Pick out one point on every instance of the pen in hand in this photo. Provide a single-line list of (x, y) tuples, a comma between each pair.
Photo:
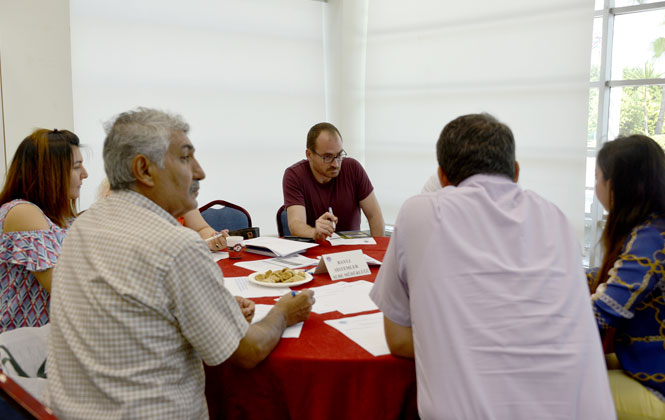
[(331, 212), (212, 238)]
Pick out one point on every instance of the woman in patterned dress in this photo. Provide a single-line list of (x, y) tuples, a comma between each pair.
[(628, 289), (38, 204)]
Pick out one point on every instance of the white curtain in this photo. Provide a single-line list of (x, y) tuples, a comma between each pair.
[(247, 76), (345, 51), (525, 62), (252, 76)]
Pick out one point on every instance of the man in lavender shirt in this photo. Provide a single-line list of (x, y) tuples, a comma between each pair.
[(483, 285)]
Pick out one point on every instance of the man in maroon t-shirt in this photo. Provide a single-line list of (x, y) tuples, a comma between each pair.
[(326, 191)]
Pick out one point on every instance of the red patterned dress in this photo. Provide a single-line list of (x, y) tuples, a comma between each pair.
[(23, 301)]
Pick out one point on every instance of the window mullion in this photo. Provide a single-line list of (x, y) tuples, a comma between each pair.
[(603, 118)]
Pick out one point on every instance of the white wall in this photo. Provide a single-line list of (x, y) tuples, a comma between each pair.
[(36, 69)]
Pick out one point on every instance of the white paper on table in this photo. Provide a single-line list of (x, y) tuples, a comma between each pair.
[(371, 261), (278, 263), (327, 297), (260, 312), (347, 298), (336, 240), (220, 256), (357, 298), (364, 330), (240, 286)]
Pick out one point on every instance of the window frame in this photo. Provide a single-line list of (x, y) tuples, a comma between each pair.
[(595, 219)]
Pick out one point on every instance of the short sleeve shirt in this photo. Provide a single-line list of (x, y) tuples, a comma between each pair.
[(23, 301), (137, 304), (343, 193), (490, 279)]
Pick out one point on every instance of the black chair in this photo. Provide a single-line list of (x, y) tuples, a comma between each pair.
[(283, 222), (226, 216)]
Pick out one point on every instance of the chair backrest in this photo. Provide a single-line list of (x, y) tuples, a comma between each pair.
[(230, 216), (283, 222), (17, 403)]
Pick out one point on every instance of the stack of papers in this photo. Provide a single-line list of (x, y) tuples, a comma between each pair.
[(276, 247), (344, 297), (336, 240), (364, 330)]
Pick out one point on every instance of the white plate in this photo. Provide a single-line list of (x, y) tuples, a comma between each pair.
[(308, 278)]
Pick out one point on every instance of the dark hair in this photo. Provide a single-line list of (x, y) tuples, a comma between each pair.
[(475, 144), (40, 173), (635, 169), (314, 132)]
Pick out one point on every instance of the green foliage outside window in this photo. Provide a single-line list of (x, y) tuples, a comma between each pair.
[(643, 107)]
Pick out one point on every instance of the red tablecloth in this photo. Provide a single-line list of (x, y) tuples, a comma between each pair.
[(321, 375)]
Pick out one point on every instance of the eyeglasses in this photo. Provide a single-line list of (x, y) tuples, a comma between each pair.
[(329, 158)]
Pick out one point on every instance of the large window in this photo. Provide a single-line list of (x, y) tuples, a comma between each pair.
[(627, 91)]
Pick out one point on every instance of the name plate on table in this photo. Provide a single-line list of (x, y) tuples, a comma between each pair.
[(343, 265)]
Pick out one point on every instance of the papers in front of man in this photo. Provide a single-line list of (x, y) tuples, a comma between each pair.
[(364, 330), (336, 240), (260, 312), (276, 247), (294, 261), (344, 297)]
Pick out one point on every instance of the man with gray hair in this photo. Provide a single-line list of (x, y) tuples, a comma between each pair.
[(483, 285), (136, 303)]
